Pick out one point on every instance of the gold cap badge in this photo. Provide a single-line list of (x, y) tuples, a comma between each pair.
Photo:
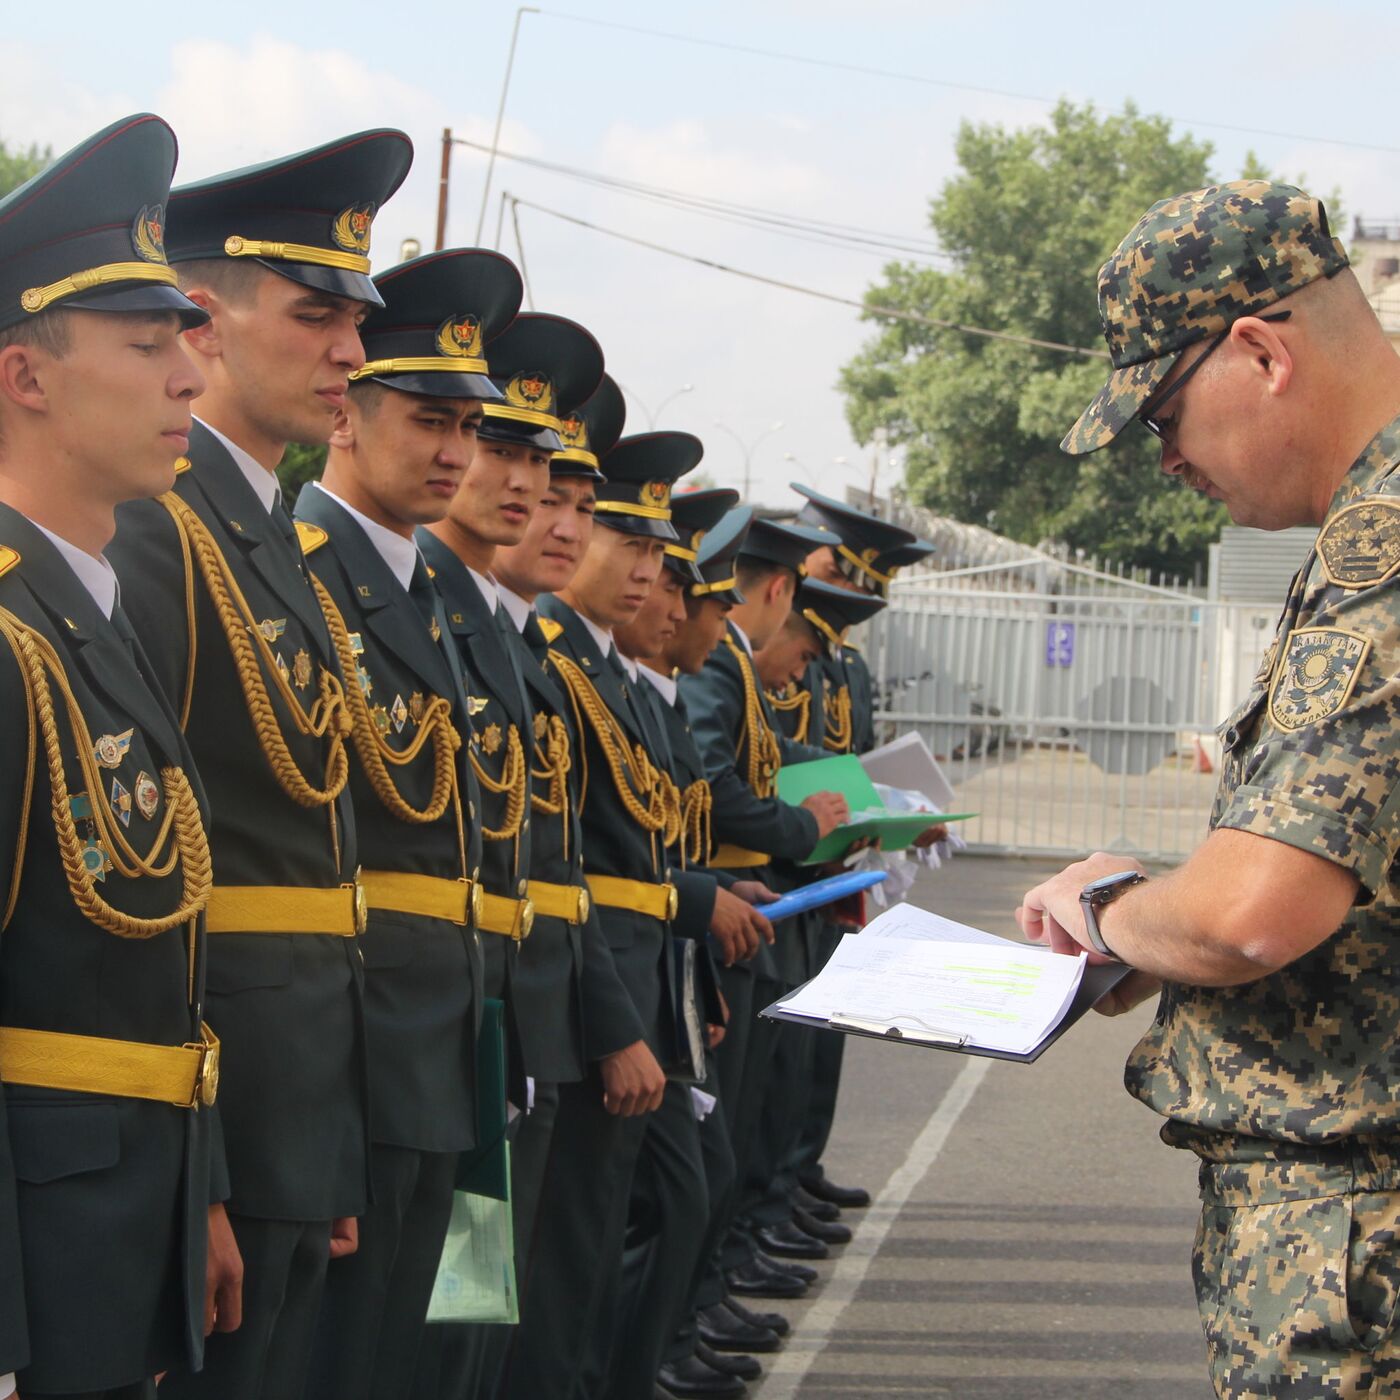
[(148, 233), (531, 389), (350, 229), (460, 337), (656, 493)]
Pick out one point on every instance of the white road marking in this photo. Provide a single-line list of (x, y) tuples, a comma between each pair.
[(809, 1339)]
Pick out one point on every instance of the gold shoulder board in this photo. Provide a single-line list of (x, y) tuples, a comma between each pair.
[(182, 465), (8, 559), (312, 537), (550, 628)]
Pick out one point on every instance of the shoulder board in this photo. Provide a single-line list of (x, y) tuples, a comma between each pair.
[(182, 465), (1360, 545), (312, 537), (8, 559), (550, 628)]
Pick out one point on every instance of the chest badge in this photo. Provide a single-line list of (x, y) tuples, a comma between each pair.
[(301, 670), (491, 738), (476, 704), (110, 749), (271, 628), (416, 707), (1317, 675), (398, 712), (541, 724), (121, 802), (147, 795)]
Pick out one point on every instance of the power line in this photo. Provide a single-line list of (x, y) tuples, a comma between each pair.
[(826, 232), (925, 80), (889, 312)]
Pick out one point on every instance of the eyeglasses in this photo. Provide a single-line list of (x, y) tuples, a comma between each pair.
[(1152, 421)]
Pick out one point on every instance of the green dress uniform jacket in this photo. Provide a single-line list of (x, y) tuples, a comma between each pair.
[(103, 1199), (862, 692), (499, 723), (614, 844), (287, 1006), (422, 974), (575, 1008)]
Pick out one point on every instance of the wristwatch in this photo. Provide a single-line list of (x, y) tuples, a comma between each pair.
[(1099, 894)]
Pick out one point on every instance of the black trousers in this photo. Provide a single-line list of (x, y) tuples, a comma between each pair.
[(707, 1284), (267, 1358), (573, 1272), (462, 1360), (667, 1225), (376, 1300)]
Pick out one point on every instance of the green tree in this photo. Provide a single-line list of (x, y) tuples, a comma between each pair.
[(19, 165), (302, 462), (1027, 223)]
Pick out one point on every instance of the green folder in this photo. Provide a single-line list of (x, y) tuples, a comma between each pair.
[(842, 773), (485, 1170)]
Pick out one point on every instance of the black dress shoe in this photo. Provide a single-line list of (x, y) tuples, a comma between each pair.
[(747, 1368), (752, 1281), (773, 1321), (823, 1188), (720, 1329), (825, 1231), (787, 1241), (693, 1377), (790, 1267), (817, 1209)]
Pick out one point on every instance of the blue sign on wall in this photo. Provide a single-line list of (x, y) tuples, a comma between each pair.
[(1059, 644)]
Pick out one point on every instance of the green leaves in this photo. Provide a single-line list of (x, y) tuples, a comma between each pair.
[(1029, 220)]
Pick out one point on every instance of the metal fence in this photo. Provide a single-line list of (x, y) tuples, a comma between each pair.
[(1072, 710)]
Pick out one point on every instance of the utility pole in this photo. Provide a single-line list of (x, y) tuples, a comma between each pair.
[(500, 115), (444, 175)]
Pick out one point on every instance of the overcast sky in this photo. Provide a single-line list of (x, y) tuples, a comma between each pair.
[(242, 85)]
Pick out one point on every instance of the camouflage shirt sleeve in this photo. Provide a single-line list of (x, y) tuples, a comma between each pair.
[(1322, 769)]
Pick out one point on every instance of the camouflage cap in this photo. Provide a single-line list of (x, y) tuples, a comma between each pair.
[(1191, 267)]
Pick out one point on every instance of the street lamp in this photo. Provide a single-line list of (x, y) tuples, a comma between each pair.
[(661, 408), (747, 448), (500, 114)]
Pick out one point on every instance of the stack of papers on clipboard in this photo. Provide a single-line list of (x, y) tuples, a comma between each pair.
[(913, 976)]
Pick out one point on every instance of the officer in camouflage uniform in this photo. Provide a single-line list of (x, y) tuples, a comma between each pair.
[(1274, 1055)]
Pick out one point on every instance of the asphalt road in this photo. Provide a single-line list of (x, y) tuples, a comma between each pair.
[(1030, 1237)]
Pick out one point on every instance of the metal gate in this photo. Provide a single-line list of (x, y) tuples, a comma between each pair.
[(1072, 713)]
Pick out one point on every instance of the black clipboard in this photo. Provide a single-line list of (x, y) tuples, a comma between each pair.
[(1099, 979)]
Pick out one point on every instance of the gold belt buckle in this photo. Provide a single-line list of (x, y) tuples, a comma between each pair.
[(673, 901), (584, 904), (476, 902), (361, 902), (524, 920), (206, 1078)]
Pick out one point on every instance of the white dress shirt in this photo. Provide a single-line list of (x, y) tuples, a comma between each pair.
[(602, 636), (517, 608), (487, 585), (265, 485), (666, 685), (744, 638), (400, 554), (95, 574)]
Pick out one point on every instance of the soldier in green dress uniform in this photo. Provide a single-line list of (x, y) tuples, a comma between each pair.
[(863, 555), (107, 1072), (214, 579), (543, 368), (563, 1343), (404, 445), (1242, 340), (734, 730)]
